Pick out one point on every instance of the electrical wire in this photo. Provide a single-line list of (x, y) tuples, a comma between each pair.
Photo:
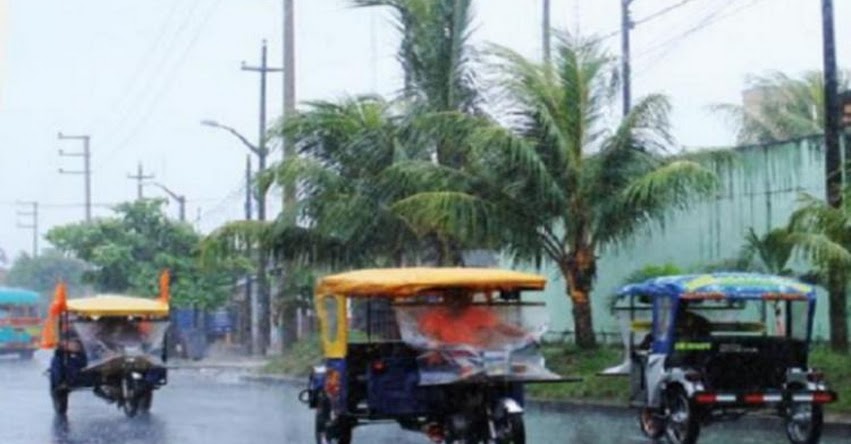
[(164, 87)]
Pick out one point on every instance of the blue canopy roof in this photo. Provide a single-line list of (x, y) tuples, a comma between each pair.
[(17, 296), (723, 285)]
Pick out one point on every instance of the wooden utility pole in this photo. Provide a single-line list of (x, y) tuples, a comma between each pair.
[(32, 214), (140, 179), (545, 32), (86, 172), (626, 27), (265, 322), (837, 282)]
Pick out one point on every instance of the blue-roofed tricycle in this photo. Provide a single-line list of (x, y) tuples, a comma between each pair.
[(709, 347)]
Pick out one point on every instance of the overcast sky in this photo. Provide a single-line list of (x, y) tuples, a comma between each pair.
[(139, 76)]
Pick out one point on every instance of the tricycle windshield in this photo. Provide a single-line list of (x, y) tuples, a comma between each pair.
[(108, 337), (479, 339)]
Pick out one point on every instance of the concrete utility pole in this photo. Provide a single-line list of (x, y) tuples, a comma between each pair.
[(247, 314), (140, 179), (626, 27), (32, 213), (547, 41), (179, 198), (86, 172), (289, 98), (265, 324)]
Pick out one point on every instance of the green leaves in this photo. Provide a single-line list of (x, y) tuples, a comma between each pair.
[(127, 253), (780, 107)]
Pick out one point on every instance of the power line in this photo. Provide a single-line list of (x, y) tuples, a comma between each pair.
[(661, 12), (165, 86), (668, 45)]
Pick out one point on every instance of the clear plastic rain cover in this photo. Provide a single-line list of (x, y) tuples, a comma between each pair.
[(106, 338), (480, 341)]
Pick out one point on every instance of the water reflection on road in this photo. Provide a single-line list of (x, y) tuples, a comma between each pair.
[(215, 408)]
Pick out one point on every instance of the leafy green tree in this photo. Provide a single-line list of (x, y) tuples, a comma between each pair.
[(556, 183), (127, 252), (43, 272), (784, 107)]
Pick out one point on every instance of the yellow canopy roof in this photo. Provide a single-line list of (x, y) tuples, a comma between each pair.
[(114, 305), (401, 282)]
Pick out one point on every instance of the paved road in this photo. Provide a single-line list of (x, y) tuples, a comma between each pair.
[(214, 407)]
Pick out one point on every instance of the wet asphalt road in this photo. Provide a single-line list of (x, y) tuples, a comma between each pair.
[(199, 407)]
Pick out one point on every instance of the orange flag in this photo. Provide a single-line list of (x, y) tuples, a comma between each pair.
[(49, 335), (165, 280)]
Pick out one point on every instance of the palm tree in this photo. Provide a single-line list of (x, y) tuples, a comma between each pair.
[(440, 87), (345, 148), (823, 234), (769, 253), (555, 183), (783, 108)]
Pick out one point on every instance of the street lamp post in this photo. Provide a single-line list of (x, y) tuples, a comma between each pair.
[(260, 341), (181, 199)]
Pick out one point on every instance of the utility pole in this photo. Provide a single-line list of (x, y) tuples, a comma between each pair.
[(86, 172), (546, 33), (289, 99), (833, 175), (249, 333), (265, 325), (626, 27), (140, 179), (33, 224)]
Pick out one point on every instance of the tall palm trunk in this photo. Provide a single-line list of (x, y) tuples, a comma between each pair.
[(837, 284), (578, 271)]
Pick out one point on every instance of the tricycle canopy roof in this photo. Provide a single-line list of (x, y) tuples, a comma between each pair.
[(403, 282), (114, 305), (722, 286), (17, 296)]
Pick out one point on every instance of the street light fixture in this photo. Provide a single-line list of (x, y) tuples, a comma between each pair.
[(254, 148), (181, 199)]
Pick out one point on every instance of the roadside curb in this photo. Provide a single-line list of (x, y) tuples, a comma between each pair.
[(832, 421)]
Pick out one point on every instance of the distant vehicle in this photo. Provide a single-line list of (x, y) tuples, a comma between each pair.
[(717, 346), (112, 344), (20, 322), (440, 351)]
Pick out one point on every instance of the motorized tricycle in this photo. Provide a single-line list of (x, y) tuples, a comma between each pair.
[(441, 351), (703, 348), (109, 343)]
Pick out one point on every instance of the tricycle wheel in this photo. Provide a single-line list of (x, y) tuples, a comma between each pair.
[(131, 406), (510, 429), (146, 400), (804, 423), (651, 423), (339, 433), (60, 401), (682, 425)]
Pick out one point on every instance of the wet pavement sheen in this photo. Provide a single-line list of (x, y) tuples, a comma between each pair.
[(214, 407)]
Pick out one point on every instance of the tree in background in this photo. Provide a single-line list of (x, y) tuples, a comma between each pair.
[(42, 273), (823, 234), (781, 107), (556, 182), (128, 251)]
